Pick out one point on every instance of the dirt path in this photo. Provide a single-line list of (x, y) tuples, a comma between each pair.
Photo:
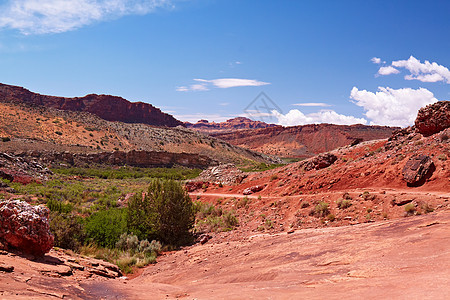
[(406, 258)]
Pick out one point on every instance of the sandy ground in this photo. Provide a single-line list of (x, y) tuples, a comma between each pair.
[(406, 258)]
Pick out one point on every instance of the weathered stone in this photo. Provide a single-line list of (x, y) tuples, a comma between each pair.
[(321, 161), (25, 227), (224, 174), (253, 189), (433, 118), (417, 169), (6, 268)]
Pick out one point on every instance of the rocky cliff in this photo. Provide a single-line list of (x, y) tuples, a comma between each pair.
[(107, 107), (304, 141), (227, 126)]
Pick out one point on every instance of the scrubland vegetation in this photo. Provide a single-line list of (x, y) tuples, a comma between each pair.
[(125, 215)]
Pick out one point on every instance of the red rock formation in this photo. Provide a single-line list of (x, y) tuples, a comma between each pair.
[(229, 125), (304, 141), (433, 118), (107, 107), (25, 227)]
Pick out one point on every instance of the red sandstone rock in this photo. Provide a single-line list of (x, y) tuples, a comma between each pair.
[(25, 227), (433, 118), (107, 107), (253, 189), (303, 141), (229, 125), (417, 169), (321, 161)]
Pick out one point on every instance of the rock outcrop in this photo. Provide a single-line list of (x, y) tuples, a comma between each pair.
[(226, 174), (253, 189), (25, 227), (321, 161), (238, 123), (304, 141), (107, 107), (417, 169), (135, 158), (433, 118)]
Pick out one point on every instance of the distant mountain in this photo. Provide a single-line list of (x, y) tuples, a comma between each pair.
[(110, 108), (303, 141), (238, 123)]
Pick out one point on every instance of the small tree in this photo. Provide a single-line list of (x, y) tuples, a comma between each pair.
[(165, 213)]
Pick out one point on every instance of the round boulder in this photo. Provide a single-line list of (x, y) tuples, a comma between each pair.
[(433, 118), (25, 227)]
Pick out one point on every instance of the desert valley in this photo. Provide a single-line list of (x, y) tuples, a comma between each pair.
[(224, 149), (314, 211)]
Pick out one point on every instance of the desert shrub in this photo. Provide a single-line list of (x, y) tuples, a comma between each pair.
[(304, 204), (367, 196), (6, 139), (410, 208), (68, 230), (131, 172), (346, 196), (343, 203), (243, 202), (209, 218), (165, 213), (58, 132), (59, 206), (427, 208), (331, 217), (105, 227), (273, 177), (321, 209)]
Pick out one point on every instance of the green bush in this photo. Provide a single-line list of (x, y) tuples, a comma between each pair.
[(213, 219), (321, 209), (59, 206), (343, 203), (165, 213), (410, 208), (105, 227), (68, 230)]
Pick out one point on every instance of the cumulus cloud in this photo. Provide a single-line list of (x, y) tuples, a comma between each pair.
[(222, 83), (425, 72), (392, 107), (376, 60), (296, 117), (55, 16), (313, 104), (387, 70)]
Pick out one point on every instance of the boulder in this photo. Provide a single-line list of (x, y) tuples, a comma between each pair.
[(25, 227), (417, 169), (433, 118), (321, 161), (253, 189), (226, 174)]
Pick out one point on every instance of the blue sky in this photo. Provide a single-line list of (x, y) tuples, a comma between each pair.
[(344, 62)]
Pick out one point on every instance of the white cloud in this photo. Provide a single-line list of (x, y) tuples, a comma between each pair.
[(376, 60), (55, 16), (296, 117), (387, 70), (317, 104), (425, 72), (392, 107), (222, 83)]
